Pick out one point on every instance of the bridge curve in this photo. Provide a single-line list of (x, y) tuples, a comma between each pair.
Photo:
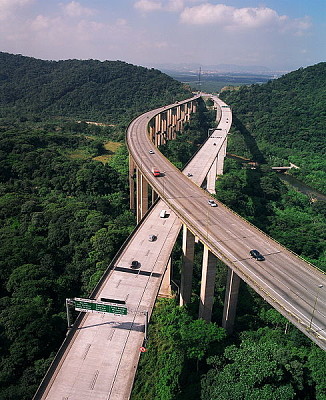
[(290, 284), (84, 367)]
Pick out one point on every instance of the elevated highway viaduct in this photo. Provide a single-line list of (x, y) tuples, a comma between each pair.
[(98, 359), (291, 285)]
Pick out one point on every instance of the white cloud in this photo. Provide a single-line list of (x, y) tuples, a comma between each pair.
[(300, 26), (69, 31), (75, 9), (8, 7), (255, 17), (206, 14), (148, 5), (40, 23), (164, 5), (175, 5), (240, 18)]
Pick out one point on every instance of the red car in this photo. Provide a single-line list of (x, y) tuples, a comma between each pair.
[(156, 172)]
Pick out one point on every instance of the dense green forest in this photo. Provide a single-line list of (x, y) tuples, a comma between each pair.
[(266, 357), (63, 216), (284, 121), (110, 92)]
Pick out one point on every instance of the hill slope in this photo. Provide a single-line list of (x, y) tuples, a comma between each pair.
[(109, 91), (284, 121)]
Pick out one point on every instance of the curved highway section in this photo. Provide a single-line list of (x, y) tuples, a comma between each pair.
[(291, 285), (99, 357)]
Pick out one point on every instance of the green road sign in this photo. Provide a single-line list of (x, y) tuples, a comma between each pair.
[(93, 306)]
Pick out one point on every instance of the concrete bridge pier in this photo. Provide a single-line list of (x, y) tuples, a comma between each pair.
[(165, 288), (220, 159), (188, 248), (230, 301), (154, 196), (207, 285), (132, 169), (142, 195), (211, 177)]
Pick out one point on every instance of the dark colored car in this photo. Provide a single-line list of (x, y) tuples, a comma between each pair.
[(134, 264), (152, 238), (255, 254)]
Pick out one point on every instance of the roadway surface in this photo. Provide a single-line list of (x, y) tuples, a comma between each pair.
[(287, 282), (101, 359)]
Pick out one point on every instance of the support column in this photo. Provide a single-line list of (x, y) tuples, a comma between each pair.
[(151, 127), (154, 196), (220, 158), (218, 114), (157, 130), (164, 127), (188, 248), (207, 285), (132, 167), (211, 177), (142, 196), (165, 288), (230, 301)]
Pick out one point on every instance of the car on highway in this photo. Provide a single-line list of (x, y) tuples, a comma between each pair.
[(255, 254), (156, 172), (212, 203), (151, 151), (163, 214), (152, 238), (135, 264)]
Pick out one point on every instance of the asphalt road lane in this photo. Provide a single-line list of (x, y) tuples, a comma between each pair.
[(286, 281)]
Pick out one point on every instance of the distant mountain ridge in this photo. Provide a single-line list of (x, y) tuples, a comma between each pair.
[(108, 91), (286, 118)]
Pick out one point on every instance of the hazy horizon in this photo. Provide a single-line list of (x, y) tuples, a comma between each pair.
[(280, 36)]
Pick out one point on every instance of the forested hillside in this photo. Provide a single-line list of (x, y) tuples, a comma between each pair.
[(108, 92), (63, 215), (284, 121), (266, 357)]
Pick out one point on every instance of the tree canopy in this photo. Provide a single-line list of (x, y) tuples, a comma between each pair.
[(284, 121)]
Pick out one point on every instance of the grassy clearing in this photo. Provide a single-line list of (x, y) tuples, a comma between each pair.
[(79, 154), (110, 149)]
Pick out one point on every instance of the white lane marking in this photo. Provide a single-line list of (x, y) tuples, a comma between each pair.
[(273, 290)]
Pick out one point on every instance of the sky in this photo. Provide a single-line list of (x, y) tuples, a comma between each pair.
[(282, 35)]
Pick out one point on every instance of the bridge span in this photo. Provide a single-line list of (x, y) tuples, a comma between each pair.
[(99, 358), (291, 285)]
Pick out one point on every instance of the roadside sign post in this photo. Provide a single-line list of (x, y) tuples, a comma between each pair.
[(102, 307), (146, 325), (87, 305), (68, 302)]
